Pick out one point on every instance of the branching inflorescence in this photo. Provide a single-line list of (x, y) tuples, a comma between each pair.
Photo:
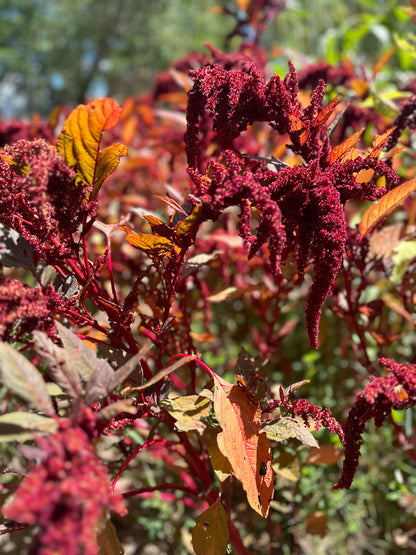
[(66, 494), (40, 199), (301, 208)]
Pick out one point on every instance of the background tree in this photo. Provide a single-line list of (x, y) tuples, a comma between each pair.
[(61, 52)]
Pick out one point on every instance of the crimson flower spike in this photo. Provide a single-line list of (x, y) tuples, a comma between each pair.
[(301, 208)]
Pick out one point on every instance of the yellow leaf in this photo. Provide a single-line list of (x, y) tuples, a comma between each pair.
[(80, 140), (244, 444), (210, 534), (188, 411), (287, 465), (385, 206), (190, 220), (219, 462), (222, 294), (154, 246)]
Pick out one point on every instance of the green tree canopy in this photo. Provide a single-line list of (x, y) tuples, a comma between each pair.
[(61, 52)]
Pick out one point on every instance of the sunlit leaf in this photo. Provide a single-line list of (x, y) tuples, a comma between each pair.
[(219, 462), (222, 295), (287, 465), (381, 140), (210, 534), (22, 379), (242, 442), (190, 221), (154, 246), (80, 141), (364, 176), (385, 206), (383, 241), (325, 113), (158, 226), (304, 435), (287, 427), (294, 387), (359, 86), (181, 79), (21, 426), (342, 150), (188, 411), (169, 201)]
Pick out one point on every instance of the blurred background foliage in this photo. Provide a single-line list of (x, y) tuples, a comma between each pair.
[(63, 52)]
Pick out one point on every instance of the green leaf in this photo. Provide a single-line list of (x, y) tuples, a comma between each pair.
[(210, 534), (21, 426), (22, 378)]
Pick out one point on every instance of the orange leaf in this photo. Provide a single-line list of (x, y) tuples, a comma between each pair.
[(325, 113), (158, 227), (317, 524), (341, 150), (326, 454), (364, 176), (382, 61), (381, 140), (385, 206), (244, 444), (154, 246), (172, 204), (181, 79), (359, 86), (80, 140), (210, 534)]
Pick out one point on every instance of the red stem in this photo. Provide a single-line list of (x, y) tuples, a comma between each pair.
[(162, 487), (132, 456)]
